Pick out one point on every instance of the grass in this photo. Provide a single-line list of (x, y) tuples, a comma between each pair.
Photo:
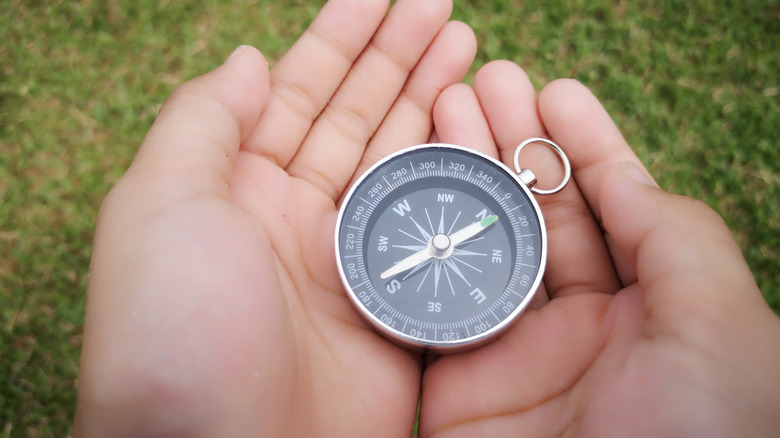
[(693, 85)]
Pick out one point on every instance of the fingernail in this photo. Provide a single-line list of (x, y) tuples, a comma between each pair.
[(239, 50), (633, 171)]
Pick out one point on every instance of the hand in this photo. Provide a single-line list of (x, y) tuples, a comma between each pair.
[(214, 304), (649, 323)]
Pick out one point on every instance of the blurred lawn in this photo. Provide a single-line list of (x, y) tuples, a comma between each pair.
[(693, 84)]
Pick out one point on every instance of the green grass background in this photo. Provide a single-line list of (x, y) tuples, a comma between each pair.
[(693, 85)]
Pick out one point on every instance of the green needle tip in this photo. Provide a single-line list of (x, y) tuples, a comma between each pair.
[(488, 220)]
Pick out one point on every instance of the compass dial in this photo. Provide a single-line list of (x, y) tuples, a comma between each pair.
[(440, 247)]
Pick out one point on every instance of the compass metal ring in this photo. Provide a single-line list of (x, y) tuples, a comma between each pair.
[(564, 159)]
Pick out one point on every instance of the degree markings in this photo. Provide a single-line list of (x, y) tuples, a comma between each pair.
[(361, 284)]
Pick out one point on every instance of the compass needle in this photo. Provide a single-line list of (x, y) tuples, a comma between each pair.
[(407, 263), (394, 245)]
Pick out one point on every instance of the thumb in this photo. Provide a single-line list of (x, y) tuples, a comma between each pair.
[(200, 127), (684, 255)]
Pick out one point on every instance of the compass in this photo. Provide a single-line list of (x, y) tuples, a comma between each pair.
[(440, 247)]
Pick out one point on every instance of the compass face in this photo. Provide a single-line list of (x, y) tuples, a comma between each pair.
[(440, 247)]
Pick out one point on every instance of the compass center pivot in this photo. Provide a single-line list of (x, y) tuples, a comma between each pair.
[(441, 246)]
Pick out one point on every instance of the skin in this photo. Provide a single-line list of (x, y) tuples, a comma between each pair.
[(215, 307)]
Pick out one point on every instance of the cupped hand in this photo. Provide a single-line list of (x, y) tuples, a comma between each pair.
[(214, 305), (649, 323)]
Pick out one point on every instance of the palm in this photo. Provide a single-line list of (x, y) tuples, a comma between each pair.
[(551, 376), (336, 357), (609, 373)]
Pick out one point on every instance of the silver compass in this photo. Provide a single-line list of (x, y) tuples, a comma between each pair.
[(441, 247)]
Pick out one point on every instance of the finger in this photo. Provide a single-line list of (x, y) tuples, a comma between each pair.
[(307, 76), (459, 120), (409, 121), (575, 118), (198, 131), (578, 260), (685, 257), (338, 138)]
